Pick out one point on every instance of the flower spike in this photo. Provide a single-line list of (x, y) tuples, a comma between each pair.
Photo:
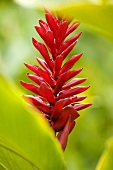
[(55, 94)]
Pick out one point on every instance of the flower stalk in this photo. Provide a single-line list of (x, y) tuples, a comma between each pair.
[(56, 88)]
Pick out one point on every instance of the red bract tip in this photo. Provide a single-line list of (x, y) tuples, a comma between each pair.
[(56, 90), (43, 51), (40, 31), (63, 135), (57, 65), (82, 106), (71, 92), (43, 64), (44, 25), (52, 23), (35, 78), (70, 63), (68, 50), (63, 118), (73, 39), (31, 67), (46, 92), (74, 82), (46, 76), (60, 82), (38, 103), (72, 28), (57, 109), (30, 87), (61, 32)]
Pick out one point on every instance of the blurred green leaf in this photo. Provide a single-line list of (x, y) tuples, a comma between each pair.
[(106, 160), (50, 3), (2, 167), (26, 140), (99, 16)]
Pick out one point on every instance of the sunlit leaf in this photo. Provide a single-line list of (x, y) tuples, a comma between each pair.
[(95, 13), (48, 3), (99, 16), (106, 160), (2, 167), (26, 141)]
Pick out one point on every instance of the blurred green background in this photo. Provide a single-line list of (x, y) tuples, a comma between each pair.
[(95, 125)]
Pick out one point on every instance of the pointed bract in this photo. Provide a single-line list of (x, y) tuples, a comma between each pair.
[(70, 63), (36, 101), (46, 92), (57, 65), (63, 135), (74, 82), (63, 118)]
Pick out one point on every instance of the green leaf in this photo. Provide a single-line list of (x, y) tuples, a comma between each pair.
[(26, 140), (49, 3), (99, 16), (106, 160), (2, 167)]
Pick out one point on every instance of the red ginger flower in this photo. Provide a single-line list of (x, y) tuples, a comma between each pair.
[(56, 98)]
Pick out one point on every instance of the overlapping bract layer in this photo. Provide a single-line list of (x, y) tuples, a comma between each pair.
[(56, 92)]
